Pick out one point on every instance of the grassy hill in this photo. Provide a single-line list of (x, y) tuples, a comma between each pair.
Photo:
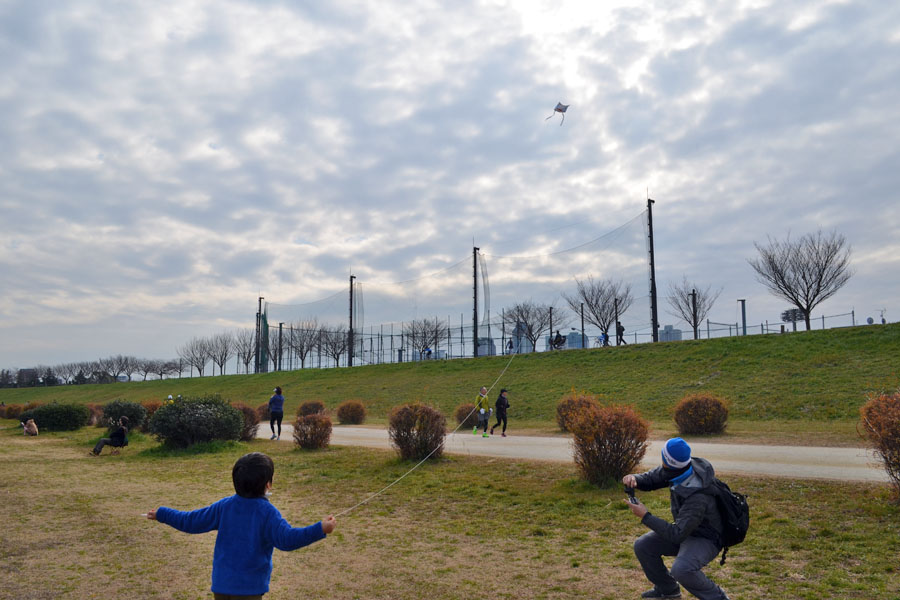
[(810, 376)]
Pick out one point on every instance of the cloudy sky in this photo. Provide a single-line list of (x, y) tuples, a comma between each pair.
[(164, 164)]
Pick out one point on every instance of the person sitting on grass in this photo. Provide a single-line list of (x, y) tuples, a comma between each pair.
[(118, 438), (248, 526), (30, 427)]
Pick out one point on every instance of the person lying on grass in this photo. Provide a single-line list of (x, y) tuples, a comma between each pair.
[(249, 528)]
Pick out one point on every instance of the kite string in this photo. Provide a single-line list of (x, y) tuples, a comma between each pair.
[(399, 479)]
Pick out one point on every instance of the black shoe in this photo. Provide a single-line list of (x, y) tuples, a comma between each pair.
[(654, 593)]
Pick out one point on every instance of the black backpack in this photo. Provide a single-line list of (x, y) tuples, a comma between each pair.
[(735, 513)]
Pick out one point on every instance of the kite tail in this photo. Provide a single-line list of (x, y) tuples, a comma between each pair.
[(563, 119), (551, 116)]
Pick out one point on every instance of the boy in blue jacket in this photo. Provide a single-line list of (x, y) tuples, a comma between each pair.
[(249, 528)]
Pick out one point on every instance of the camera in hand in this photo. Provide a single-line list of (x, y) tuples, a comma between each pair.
[(631, 497)]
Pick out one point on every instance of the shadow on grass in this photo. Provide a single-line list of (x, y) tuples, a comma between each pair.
[(163, 451)]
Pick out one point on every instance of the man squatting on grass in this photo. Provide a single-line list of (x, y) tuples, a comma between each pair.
[(249, 528), (694, 539)]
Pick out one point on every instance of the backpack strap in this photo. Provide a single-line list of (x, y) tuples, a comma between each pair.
[(724, 554)]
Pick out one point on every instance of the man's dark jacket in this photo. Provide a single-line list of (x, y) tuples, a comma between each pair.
[(693, 505)]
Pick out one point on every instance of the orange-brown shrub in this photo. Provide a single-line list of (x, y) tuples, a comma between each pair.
[(263, 411), (151, 406), (417, 431), (313, 407), (32, 405), (880, 425), (312, 431), (96, 414), (14, 410), (351, 412), (702, 414), (251, 421), (609, 442), (572, 404), (466, 415)]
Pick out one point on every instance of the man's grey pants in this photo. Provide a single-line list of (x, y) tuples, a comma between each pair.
[(691, 556)]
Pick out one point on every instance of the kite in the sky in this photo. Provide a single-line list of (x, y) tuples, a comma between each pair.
[(561, 109)]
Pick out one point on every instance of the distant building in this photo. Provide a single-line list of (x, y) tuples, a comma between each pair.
[(521, 343), (486, 347), (670, 334), (575, 340)]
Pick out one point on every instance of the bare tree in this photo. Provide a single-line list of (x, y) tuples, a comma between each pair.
[(603, 299), (221, 348), (334, 343), (66, 372), (146, 366), (805, 272), (425, 333), (196, 354), (530, 320), (304, 337), (245, 347), (681, 299)]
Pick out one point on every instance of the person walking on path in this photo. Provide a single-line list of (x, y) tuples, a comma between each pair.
[(276, 412), (694, 539), (482, 407), (502, 404), (620, 334)]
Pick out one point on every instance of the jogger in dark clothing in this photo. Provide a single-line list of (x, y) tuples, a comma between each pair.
[(501, 405), (276, 412)]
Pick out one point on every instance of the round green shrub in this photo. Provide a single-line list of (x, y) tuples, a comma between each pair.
[(117, 409), (187, 421), (312, 431), (351, 412), (58, 417)]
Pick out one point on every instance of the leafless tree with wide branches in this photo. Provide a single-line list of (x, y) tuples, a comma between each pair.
[(600, 301), (334, 342), (530, 320), (681, 299), (221, 348), (805, 272), (425, 333), (195, 353), (304, 337)]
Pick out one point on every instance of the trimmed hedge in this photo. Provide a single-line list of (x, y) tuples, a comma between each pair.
[(466, 415), (609, 442), (188, 421), (250, 423), (58, 417), (701, 414), (351, 412), (880, 425), (312, 431), (313, 407), (417, 431)]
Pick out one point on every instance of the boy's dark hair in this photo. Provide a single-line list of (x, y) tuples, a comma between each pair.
[(251, 473), (123, 420)]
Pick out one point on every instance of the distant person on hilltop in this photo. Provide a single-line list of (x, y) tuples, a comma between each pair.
[(620, 334), (276, 412)]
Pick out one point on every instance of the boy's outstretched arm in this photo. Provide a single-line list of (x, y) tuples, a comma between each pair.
[(286, 538), (195, 521)]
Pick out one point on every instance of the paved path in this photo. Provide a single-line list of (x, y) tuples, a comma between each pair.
[(803, 462)]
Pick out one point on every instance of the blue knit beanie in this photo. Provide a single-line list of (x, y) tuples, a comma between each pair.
[(676, 453)]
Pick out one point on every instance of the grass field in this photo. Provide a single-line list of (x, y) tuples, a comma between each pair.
[(778, 386), (459, 527)]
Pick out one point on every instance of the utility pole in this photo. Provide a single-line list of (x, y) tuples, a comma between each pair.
[(258, 335), (654, 321), (694, 312), (280, 346), (550, 337), (475, 300), (743, 302), (616, 309), (583, 345), (350, 333)]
